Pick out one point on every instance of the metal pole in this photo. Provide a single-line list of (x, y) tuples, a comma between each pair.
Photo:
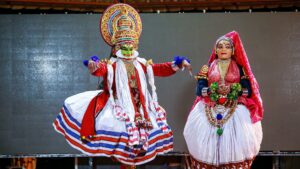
[(91, 163), (276, 162), (76, 163)]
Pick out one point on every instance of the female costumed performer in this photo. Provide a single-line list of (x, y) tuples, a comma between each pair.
[(223, 129), (124, 120)]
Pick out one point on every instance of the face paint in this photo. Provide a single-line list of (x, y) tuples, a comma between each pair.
[(127, 50)]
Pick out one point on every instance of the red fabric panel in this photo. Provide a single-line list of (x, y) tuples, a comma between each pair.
[(102, 70), (88, 121), (142, 97)]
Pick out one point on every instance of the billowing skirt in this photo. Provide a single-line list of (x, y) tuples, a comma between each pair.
[(111, 138), (236, 147)]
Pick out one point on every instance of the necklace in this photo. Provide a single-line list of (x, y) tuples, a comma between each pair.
[(130, 73), (223, 68), (219, 120)]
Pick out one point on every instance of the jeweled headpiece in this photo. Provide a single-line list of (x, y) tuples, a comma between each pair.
[(121, 24), (226, 39)]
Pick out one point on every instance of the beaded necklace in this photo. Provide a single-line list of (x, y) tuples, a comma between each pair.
[(219, 120), (223, 66)]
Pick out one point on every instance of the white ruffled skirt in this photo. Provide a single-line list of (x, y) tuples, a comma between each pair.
[(112, 137), (239, 142)]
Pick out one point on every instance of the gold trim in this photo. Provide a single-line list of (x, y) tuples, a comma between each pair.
[(109, 62), (245, 77), (201, 77), (149, 62), (108, 23), (244, 71), (204, 69)]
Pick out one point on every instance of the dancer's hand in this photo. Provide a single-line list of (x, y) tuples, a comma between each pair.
[(188, 66), (182, 62), (92, 66)]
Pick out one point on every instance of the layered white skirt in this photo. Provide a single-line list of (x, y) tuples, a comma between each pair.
[(239, 142), (112, 137)]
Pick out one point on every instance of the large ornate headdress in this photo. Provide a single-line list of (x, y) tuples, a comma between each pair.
[(121, 24), (241, 58)]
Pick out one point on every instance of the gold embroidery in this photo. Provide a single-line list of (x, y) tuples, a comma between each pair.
[(245, 164), (201, 77), (149, 62), (204, 69), (202, 73), (111, 16), (244, 71), (223, 68), (131, 73), (245, 77)]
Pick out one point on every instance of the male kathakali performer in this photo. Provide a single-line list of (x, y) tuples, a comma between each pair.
[(123, 120)]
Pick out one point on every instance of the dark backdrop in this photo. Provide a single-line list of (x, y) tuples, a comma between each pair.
[(41, 64)]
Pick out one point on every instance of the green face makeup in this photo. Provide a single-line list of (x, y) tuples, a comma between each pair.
[(127, 50)]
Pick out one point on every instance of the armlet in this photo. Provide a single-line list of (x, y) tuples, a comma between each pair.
[(202, 74)]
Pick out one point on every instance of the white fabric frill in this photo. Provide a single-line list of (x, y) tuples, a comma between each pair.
[(240, 140)]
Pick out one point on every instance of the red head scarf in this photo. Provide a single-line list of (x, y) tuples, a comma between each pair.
[(240, 56)]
